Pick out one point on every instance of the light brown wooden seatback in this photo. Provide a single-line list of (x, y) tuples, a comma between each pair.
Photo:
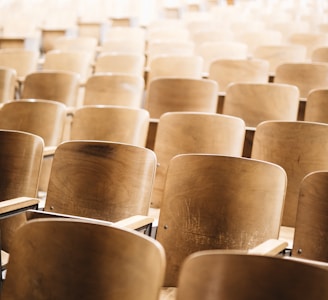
[(218, 202), (44, 118), (62, 258), (111, 123), (61, 86), (311, 227), (257, 102), (320, 54), (211, 51), (190, 132), (76, 43), (316, 109), (279, 54), (22, 60), (114, 89), (188, 66), (306, 76), (215, 274), (311, 40), (227, 71), (21, 155), (8, 78), (122, 63), (101, 180), (72, 61), (298, 147), (181, 94)]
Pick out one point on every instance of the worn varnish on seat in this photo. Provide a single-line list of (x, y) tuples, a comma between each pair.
[(218, 202)]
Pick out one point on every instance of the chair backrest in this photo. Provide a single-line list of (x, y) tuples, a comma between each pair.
[(306, 76), (119, 32), (60, 258), (122, 63), (216, 274), (44, 118), (168, 47), (257, 102), (299, 147), (190, 132), (218, 202), (316, 109), (320, 54), (61, 86), (183, 66), (101, 180), (279, 54), (8, 78), (21, 156), (181, 94), (211, 51), (227, 71), (114, 89), (49, 37), (256, 38), (124, 45), (311, 40), (22, 60), (80, 43), (72, 61), (111, 123), (311, 230)]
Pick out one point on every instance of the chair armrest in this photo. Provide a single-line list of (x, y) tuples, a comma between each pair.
[(270, 247), (16, 204), (49, 151), (134, 222)]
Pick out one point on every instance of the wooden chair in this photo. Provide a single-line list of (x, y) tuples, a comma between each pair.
[(21, 156), (22, 60), (44, 118), (306, 76), (119, 32), (168, 47), (288, 27), (111, 123), (299, 147), (316, 106), (121, 63), (215, 274), (56, 258), (310, 238), (181, 94), (209, 133), (279, 54), (71, 61), (114, 89), (8, 77), (61, 86), (320, 54), (257, 102), (226, 71), (218, 202), (49, 37), (183, 66), (256, 38), (80, 43), (211, 51), (124, 46), (311, 40), (119, 189)]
